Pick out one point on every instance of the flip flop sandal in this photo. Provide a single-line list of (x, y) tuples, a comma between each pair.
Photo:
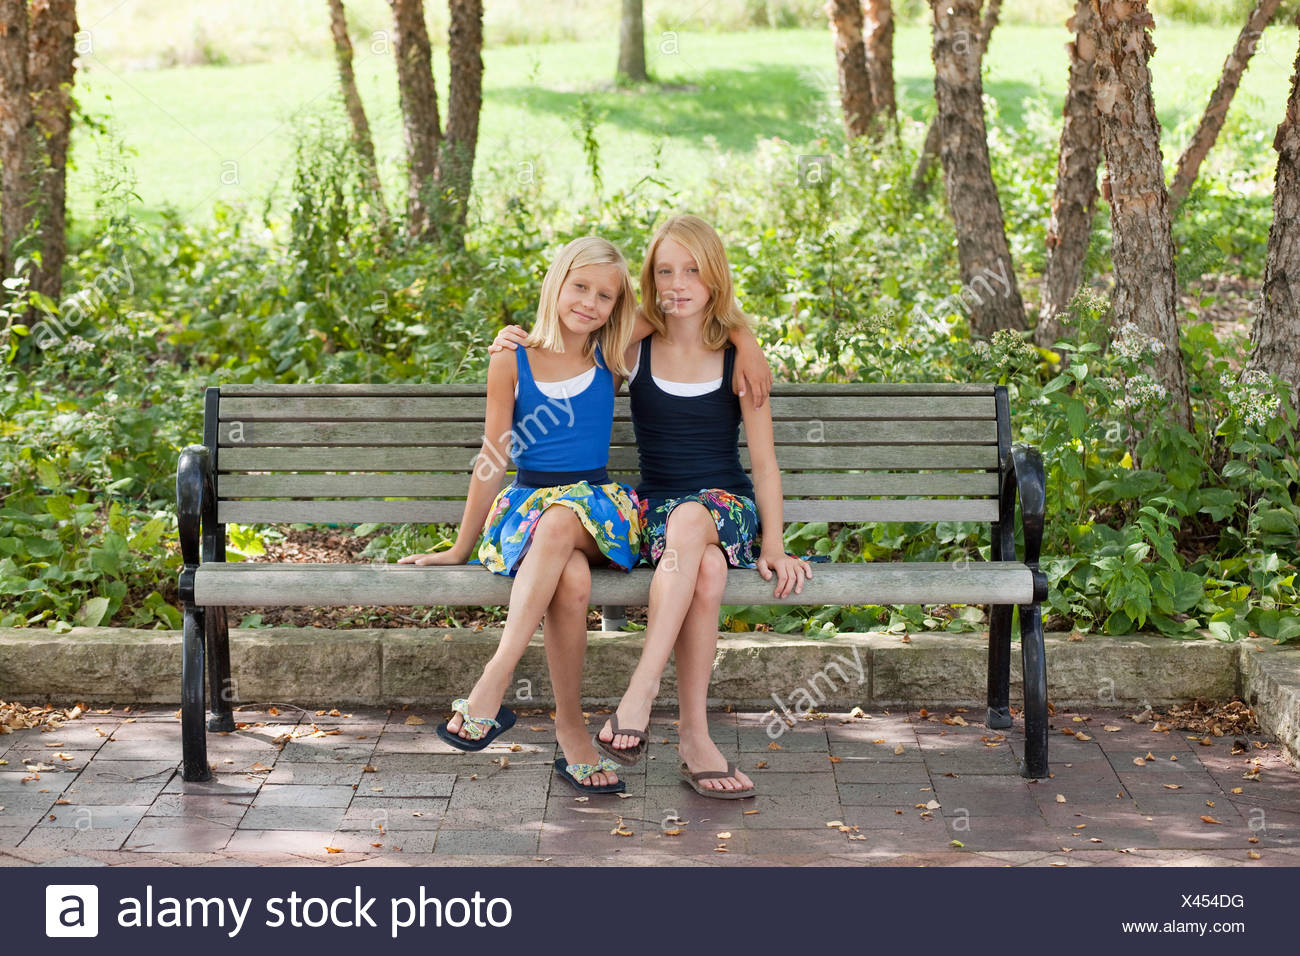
[(574, 773), (694, 780), (630, 755), (482, 730)]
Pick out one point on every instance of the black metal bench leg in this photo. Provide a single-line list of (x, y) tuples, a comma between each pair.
[(998, 716), (194, 740), (1034, 658), (220, 687)]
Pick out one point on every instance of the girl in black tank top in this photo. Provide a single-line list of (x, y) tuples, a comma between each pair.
[(703, 510)]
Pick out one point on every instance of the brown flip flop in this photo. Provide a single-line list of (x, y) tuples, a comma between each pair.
[(630, 755), (694, 780)]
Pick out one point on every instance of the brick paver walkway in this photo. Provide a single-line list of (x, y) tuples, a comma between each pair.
[(380, 788)]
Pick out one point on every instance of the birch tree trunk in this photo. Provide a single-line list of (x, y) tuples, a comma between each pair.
[(1275, 335), (1070, 227), (851, 64), (16, 132), (361, 137), (963, 149), (465, 101), (967, 40), (421, 124), (878, 34), (1143, 252), (1216, 111), (631, 42)]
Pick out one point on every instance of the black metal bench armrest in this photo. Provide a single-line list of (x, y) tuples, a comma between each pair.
[(1023, 476), (196, 512)]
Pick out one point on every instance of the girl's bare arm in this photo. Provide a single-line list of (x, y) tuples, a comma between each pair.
[(790, 572), (489, 466)]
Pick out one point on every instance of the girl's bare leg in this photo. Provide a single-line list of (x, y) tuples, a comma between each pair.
[(694, 654), (566, 648), (558, 534), (690, 531)]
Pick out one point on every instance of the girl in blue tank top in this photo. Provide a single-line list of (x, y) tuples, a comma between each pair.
[(550, 408)]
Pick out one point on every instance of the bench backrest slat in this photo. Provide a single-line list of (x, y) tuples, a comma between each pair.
[(852, 452)]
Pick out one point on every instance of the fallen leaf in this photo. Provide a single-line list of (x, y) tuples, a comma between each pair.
[(1253, 840), (1079, 720), (724, 835), (369, 768), (1211, 820), (1081, 736), (774, 746), (932, 805), (504, 761), (899, 749), (678, 832), (956, 843), (619, 829), (273, 711), (761, 765), (333, 849), (1111, 728), (720, 849), (1252, 854), (1206, 742), (414, 720), (1160, 727), (840, 823), (1209, 803), (750, 813), (1173, 786), (1149, 756), (1236, 789), (923, 712), (536, 730), (1069, 731), (1060, 798), (1094, 840), (1139, 761), (835, 759)]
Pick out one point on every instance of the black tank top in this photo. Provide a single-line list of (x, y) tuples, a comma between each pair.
[(686, 444)]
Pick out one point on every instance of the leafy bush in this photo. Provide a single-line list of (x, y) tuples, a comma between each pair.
[(841, 262)]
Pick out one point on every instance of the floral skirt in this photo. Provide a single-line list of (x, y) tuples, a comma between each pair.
[(608, 512), (736, 518)]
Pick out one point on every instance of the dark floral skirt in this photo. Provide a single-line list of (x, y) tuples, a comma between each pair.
[(735, 516)]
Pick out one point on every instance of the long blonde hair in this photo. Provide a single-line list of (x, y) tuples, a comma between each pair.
[(615, 335), (722, 312)]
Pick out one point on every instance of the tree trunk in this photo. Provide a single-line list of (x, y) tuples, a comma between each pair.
[(1145, 284), (963, 150), (631, 42), (361, 137), (878, 30), (16, 132), (50, 68), (421, 123), (964, 42), (465, 100), (1070, 227), (1275, 335), (851, 62), (1216, 111)]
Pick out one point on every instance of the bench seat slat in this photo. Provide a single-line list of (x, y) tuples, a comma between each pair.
[(810, 388), (258, 584), (433, 485), (470, 434), (471, 409), (621, 458), (251, 511)]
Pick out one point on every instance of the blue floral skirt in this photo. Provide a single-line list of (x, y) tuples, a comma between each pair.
[(736, 518), (608, 512)]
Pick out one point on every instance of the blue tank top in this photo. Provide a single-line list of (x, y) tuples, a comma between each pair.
[(687, 443), (560, 441)]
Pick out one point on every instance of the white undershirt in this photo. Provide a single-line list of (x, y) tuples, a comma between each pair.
[(565, 388), (680, 389)]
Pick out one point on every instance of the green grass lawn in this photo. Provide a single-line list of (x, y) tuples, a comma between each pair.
[(197, 135)]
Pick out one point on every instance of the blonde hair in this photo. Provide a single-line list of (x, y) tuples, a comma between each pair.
[(722, 313), (615, 335)]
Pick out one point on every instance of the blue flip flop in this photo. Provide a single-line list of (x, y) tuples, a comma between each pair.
[(575, 773), (485, 729)]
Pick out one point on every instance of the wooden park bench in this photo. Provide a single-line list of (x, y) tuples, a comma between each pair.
[(280, 454)]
